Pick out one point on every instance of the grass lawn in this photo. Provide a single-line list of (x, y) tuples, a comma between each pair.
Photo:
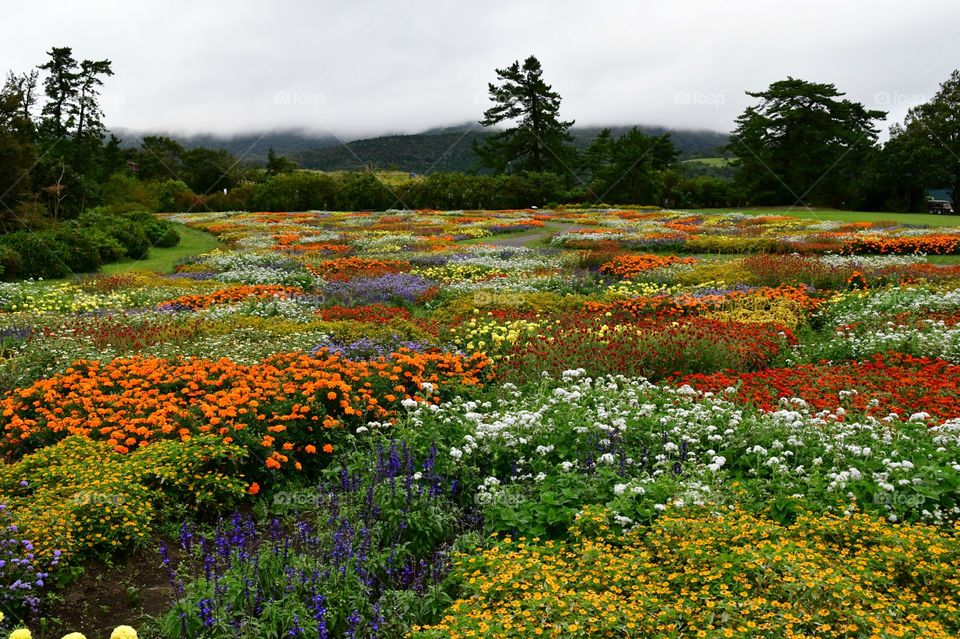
[(192, 242), (846, 216), (390, 178)]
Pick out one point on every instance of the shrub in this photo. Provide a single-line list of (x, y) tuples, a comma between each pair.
[(364, 192), (81, 497), (124, 189), (174, 195), (298, 191), (41, 254), (11, 266), (80, 248)]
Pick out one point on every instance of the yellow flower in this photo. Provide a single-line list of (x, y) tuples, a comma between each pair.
[(73, 635), (123, 632), (20, 633)]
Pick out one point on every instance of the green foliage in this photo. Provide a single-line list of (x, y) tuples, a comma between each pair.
[(83, 498), (364, 192), (298, 191), (10, 262), (17, 153), (206, 170), (123, 189), (375, 572), (539, 141), (461, 191), (630, 168), (159, 158), (41, 256), (935, 123), (803, 144), (174, 195), (278, 164)]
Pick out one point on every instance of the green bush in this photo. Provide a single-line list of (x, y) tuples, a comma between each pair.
[(364, 192), (10, 262), (174, 195), (124, 189), (299, 191), (79, 248), (239, 198), (41, 254)]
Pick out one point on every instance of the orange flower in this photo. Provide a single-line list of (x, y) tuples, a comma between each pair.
[(132, 402), (627, 266), (328, 448), (310, 448), (254, 488)]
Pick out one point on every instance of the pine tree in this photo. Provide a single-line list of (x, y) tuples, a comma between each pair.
[(540, 140), (803, 143), (60, 87)]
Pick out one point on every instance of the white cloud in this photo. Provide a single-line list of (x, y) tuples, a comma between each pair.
[(405, 65)]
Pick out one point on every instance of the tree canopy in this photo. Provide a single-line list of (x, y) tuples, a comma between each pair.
[(803, 143), (937, 124), (539, 140)]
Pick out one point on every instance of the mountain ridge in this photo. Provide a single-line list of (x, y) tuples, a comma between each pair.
[(437, 149)]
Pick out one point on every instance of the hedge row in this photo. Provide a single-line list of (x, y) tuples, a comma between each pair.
[(83, 245)]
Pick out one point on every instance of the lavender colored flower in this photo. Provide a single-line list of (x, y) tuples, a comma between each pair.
[(367, 348), (391, 287), (206, 612)]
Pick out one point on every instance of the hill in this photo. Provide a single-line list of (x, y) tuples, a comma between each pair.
[(250, 147), (451, 149), (440, 149)]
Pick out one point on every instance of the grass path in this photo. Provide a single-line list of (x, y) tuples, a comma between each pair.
[(192, 242), (533, 238), (845, 216)]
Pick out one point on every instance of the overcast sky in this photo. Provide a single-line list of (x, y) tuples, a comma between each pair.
[(365, 67)]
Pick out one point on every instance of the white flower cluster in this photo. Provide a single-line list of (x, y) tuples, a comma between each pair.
[(663, 446)]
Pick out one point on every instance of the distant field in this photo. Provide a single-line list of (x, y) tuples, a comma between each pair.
[(718, 162), (849, 216), (192, 242), (390, 178)]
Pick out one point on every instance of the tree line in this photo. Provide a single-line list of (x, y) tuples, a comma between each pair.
[(801, 143)]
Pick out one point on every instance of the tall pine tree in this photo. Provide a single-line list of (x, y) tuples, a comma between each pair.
[(539, 140)]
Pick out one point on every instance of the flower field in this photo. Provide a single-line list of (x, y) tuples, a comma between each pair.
[(400, 424)]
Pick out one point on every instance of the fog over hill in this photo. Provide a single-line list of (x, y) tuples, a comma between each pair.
[(436, 149)]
